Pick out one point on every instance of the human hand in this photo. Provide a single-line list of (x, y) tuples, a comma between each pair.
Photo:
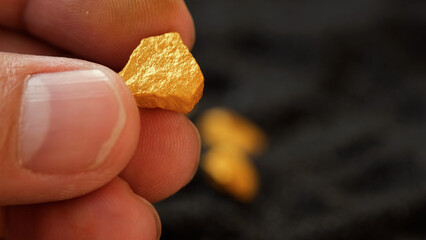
[(78, 160)]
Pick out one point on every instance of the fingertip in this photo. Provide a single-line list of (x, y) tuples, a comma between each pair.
[(107, 31), (112, 212), (155, 214), (167, 155), (187, 27), (46, 157), (127, 141)]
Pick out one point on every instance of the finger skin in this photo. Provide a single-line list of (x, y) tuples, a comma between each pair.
[(11, 13), (163, 165), (112, 212), (106, 31), (165, 158), (19, 185), (102, 30), (14, 42)]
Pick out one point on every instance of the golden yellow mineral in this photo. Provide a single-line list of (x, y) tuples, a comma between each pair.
[(231, 139), (231, 170), (161, 73), (223, 126)]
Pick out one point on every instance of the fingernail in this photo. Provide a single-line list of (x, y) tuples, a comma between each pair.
[(69, 121)]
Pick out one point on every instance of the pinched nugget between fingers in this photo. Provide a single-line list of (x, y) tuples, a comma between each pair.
[(161, 73)]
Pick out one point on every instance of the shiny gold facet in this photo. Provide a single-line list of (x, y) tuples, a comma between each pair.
[(230, 170), (161, 73), (222, 126)]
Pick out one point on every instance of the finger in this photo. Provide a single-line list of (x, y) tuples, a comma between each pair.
[(15, 42), (112, 212), (67, 127), (11, 13), (167, 155), (105, 31)]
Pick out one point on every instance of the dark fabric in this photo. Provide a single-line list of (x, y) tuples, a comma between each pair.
[(340, 88)]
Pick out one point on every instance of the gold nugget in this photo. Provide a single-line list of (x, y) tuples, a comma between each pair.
[(223, 126), (161, 73), (232, 171), (231, 139)]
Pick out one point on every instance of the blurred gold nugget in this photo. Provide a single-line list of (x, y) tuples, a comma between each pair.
[(162, 73), (231, 138), (219, 125), (232, 171)]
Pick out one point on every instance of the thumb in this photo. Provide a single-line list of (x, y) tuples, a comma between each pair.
[(67, 127)]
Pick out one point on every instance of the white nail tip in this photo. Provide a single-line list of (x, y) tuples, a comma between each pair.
[(49, 91)]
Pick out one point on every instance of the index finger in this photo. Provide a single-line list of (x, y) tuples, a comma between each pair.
[(104, 31)]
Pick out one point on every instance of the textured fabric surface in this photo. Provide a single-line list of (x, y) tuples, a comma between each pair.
[(340, 88)]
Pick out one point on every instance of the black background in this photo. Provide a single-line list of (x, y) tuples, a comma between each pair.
[(339, 86)]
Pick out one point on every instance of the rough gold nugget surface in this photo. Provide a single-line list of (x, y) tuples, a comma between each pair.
[(161, 73)]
